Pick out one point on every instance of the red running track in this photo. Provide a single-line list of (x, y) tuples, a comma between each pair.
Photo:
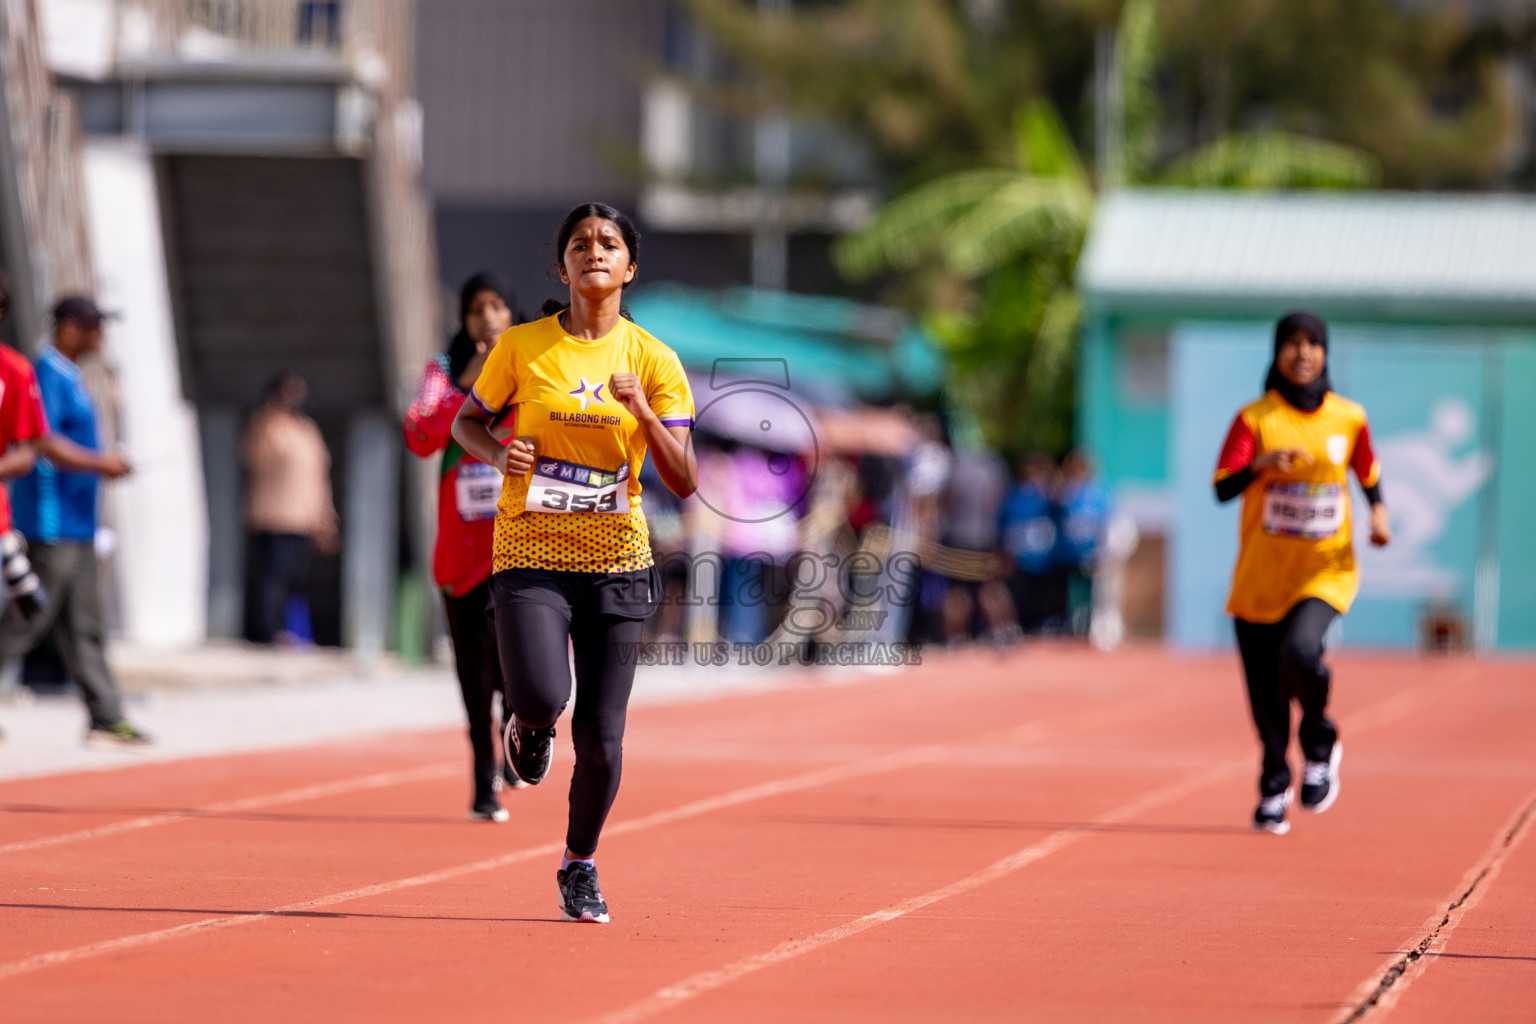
[(1054, 835)]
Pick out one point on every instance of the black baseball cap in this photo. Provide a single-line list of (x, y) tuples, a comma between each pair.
[(81, 310)]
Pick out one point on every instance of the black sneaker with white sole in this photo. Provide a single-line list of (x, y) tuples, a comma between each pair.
[(488, 809), (528, 751), (506, 778), (580, 897), (1269, 816), (1320, 781)]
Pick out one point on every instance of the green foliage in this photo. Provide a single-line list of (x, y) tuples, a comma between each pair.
[(991, 197), (911, 228), (973, 221), (1272, 160), (1422, 87), (1134, 66), (1012, 357)]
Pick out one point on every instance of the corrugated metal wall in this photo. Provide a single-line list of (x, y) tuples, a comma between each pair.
[(532, 102)]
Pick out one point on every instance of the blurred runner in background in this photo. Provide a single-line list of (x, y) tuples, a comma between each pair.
[(56, 506), (288, 509), (467, 493), (1289, 455)]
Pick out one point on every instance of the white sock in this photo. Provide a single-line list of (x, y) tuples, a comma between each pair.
[(566, 862)]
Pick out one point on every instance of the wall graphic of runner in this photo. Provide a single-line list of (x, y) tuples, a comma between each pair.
[(1429, 482)]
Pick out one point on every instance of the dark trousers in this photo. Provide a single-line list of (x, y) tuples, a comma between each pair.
[(1284, 662), (531, 631), (1040, 599), (479, 671), (278, 565), (69, 573)]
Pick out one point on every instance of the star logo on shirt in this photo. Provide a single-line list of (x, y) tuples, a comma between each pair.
[(588, 393)]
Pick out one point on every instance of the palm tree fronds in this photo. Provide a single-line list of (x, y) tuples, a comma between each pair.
[(1045, 147), (910, 227), (1273, 160), (1027, 214), (1051, 354)]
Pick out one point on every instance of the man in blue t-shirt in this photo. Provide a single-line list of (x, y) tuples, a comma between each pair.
[(1031, 528), (55, 508), (1084, 517)]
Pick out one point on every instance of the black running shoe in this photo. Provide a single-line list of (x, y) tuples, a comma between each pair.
[(488, 809), (506, 778), (580, 897), (528, 751), (1320, 781), (1269, 816)]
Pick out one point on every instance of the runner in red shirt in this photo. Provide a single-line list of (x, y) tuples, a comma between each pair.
[(468, 490)]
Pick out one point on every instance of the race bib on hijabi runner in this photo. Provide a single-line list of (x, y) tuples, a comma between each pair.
[(558, 486), (1308, 511), (477, 488)]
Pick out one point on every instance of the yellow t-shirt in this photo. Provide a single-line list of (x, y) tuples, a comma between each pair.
[(578, 510), (1294, 539)]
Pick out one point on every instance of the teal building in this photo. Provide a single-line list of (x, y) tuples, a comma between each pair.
[(1431, 303)]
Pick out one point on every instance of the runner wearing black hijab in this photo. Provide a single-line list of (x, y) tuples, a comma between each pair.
[(1289, 454), (466, 511)]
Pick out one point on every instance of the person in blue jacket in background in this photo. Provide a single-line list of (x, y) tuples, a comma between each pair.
[(1084, 514)]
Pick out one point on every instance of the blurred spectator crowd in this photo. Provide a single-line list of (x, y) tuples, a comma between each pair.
[(886, 531)]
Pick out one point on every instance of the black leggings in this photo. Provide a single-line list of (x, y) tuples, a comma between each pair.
[(535, 613), (1284, 662), (479, 671), (278, 564)]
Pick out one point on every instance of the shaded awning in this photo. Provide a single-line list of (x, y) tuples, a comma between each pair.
[(836, 351)]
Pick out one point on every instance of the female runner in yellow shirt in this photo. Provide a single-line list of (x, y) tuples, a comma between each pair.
[(593, 392), (1289, 454)]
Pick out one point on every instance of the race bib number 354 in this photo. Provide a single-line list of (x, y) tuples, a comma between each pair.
[(556, 486), (1308, 511)]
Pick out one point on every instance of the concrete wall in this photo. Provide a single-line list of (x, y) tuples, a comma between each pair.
[(527, 102), (160, 511)]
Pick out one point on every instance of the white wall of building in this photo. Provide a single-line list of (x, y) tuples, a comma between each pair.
[(160, 511)]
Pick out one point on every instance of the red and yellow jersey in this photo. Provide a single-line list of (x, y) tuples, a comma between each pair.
[(1295, 540), (21, 412), (467, 489), (578, 509)]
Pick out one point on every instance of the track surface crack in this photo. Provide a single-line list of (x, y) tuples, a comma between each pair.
[(1419, 951)]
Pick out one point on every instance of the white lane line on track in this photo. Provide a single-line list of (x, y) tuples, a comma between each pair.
[(873, 766), (894, 761), (693, 809), (708, 981), (320, 791), (1377, 995), (1022, 733), (378, 780), (1382, 713)]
